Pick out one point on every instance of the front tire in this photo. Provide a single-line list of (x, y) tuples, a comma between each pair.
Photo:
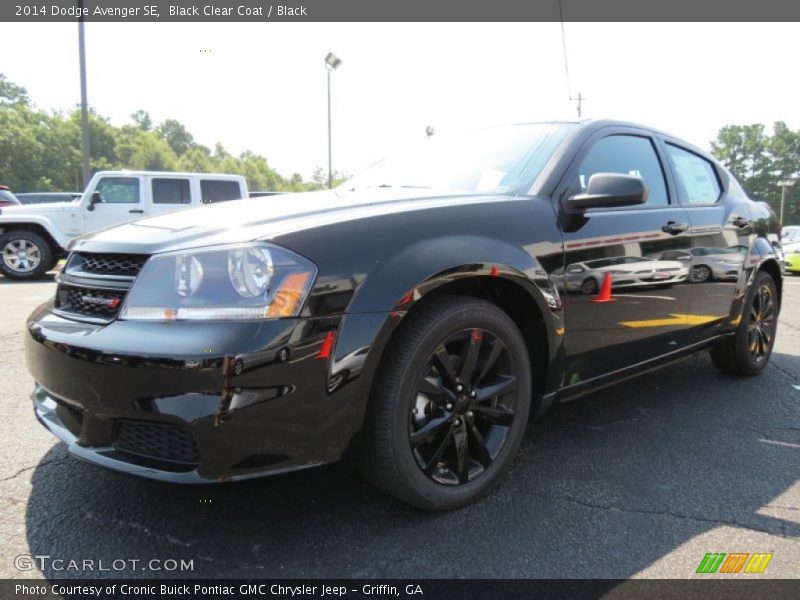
[(25, 255), (450, 404), (747, 352), (700, 274)]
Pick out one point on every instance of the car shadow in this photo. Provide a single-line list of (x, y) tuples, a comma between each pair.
[(603, 488), (48, 277)]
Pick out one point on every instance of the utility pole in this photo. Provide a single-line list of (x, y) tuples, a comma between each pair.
[(579, 103), (783, 185), (84, 105)]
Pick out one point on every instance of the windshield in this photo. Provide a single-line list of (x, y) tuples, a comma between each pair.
[(501, 160)]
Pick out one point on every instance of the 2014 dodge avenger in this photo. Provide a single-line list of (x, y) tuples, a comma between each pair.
[(414, 315)]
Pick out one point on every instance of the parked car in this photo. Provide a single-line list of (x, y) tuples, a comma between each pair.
[(793, 261), (34, 237), (625, 271), (708, 264), (7, 198), (47, 197), (409, 316)]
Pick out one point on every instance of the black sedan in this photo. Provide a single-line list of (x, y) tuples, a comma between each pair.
[(411, 315)]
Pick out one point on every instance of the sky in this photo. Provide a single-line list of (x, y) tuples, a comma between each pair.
[(262, 86)]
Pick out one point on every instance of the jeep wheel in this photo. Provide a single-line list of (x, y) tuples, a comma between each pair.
[(25, 255)]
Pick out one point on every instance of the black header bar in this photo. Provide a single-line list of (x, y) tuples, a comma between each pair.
[(255, 11)]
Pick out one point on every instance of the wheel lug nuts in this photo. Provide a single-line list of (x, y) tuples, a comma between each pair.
[(449, 406)]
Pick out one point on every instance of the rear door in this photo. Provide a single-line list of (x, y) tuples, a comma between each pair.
[(650, 297), (168, 193), (721, 235)]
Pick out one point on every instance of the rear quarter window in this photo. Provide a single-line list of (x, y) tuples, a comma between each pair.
[(219, 190), (697, 177)]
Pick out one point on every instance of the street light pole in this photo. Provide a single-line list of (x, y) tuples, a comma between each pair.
[(332, 62), (330, 151), (783, 185), (84, 104)]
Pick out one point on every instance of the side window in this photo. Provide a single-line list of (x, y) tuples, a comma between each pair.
[(171, 191), (629, 155), (696, 176), (118, 190), (219, 190)]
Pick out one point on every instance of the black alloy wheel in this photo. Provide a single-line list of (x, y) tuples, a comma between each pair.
[(748, 350), (463, 408), (450, 404), (761, 323)]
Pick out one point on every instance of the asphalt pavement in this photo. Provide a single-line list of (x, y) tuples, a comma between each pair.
[(639, 480)]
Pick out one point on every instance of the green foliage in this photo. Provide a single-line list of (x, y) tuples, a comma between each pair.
[(41, 151), (759, 161)]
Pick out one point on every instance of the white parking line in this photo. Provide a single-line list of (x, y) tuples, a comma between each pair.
[(643, 296)]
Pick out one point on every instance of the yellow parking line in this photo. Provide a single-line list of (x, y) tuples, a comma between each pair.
[(682, 319)]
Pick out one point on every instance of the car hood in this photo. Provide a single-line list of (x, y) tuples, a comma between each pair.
[(264, 218), (38, 209)]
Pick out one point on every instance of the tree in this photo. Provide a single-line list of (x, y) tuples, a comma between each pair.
[(759, 161), (11, 93), (176, 135), (41, 151), (141, 118)]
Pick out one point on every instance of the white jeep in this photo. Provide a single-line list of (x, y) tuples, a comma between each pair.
[(33, 237)]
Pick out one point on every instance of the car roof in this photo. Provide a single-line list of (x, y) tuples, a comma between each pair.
[(123, 173)]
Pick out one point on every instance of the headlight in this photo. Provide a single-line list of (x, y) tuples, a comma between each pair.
[(243, 282)]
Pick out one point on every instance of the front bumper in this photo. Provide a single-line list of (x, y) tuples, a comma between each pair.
[(192, 402)]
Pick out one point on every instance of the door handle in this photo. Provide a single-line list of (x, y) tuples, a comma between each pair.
[(674, 228), (741, 222), (136, 212)]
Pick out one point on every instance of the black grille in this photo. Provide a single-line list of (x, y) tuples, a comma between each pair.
[(117, 265), (157, 441), (88, 302)]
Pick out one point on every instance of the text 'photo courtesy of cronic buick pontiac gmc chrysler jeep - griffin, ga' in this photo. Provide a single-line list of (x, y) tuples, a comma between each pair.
[(418, 315)]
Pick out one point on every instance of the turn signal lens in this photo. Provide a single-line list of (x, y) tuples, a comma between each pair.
[(288, 297)]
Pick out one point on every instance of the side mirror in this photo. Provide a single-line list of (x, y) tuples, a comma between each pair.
[(608, 190), (95, 199)]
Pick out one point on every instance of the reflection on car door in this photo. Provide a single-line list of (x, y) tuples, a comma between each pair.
[(651, 296), (720, 232)]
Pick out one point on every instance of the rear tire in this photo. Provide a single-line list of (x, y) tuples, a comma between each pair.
[(700, 274), (589, 286), (429, 444), (25, 255), (747, 352)]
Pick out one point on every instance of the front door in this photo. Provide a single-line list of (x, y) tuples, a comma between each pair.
[(117, 200), (626, 298)]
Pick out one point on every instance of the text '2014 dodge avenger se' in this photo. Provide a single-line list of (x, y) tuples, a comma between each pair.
[(418, 314)]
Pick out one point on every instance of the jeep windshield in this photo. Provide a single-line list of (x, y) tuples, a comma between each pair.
[(500, 160)]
